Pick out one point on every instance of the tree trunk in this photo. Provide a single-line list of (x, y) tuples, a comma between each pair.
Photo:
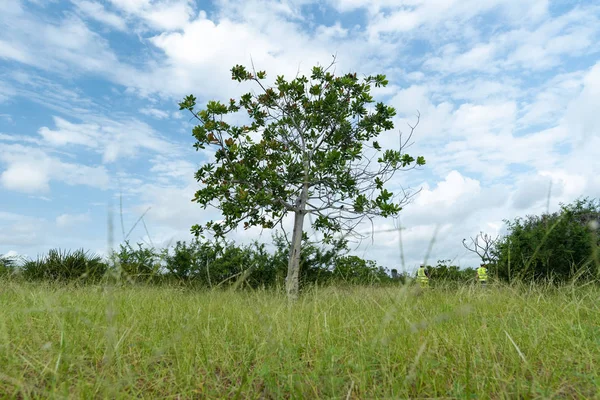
[(293, 274)]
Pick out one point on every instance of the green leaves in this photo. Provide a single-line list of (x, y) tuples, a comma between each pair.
[(558, 246), (360, 203), (239, 73), (381, 81), (216, 108), (312, 133), (188, 103)]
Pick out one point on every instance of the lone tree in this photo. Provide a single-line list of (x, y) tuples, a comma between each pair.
[(308, 148)]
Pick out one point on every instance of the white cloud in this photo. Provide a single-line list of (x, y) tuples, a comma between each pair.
[(59, 47), (447, 192), (435, 118), (188, 65), (567, 186), (21, 230), (270, 34), (452, 200), (112, 139), (532, 190), (569, 34), (25, 177), (475, 120), (6, 91), (582, 112), (9, 51), (154, 112), (69, 220), (529, 45), (552, 99), (158, 14), (480, 90), (64, 46), (171, 212), (30, 170), (94, 10), (480, 57), (447, 15), (167, 168), (490, 154)]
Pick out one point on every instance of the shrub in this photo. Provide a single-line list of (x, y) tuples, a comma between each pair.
[(188, 261), (141, 263), (214, 263), (557, 246), (60, 265), (355, 270), (7, 265), (444, 271)]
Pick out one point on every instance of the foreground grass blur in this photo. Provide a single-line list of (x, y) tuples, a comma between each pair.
[(106, 342)]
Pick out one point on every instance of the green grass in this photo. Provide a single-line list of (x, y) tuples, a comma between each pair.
[(102, 342)]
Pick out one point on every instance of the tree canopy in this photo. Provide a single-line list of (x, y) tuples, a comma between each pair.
[(309, 147)]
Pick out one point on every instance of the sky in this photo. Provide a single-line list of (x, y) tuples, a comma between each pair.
[(508, 93)]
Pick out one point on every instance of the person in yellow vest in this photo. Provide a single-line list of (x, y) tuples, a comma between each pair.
[(482, 275), (423, 277)]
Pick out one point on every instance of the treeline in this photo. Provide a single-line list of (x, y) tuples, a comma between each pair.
[(444, 271), (558, 247), (203, 264), (211, 264)]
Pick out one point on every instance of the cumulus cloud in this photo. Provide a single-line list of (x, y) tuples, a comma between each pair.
[(531, 191), (25, 177), (30, 170)]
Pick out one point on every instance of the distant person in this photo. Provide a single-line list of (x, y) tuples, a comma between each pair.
[(423, 277), (482, 274)]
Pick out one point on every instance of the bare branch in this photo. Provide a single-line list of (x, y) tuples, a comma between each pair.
[(481, 244)]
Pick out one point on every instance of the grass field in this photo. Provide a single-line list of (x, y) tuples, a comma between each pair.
[(151, 342)]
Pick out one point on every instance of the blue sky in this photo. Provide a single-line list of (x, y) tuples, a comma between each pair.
[(508, 92)]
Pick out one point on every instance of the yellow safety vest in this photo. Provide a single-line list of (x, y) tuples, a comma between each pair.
[(482, 274), (421, 274)]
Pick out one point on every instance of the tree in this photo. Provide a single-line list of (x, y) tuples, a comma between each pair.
[(309, 148), (482, 245), (558, 246)]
